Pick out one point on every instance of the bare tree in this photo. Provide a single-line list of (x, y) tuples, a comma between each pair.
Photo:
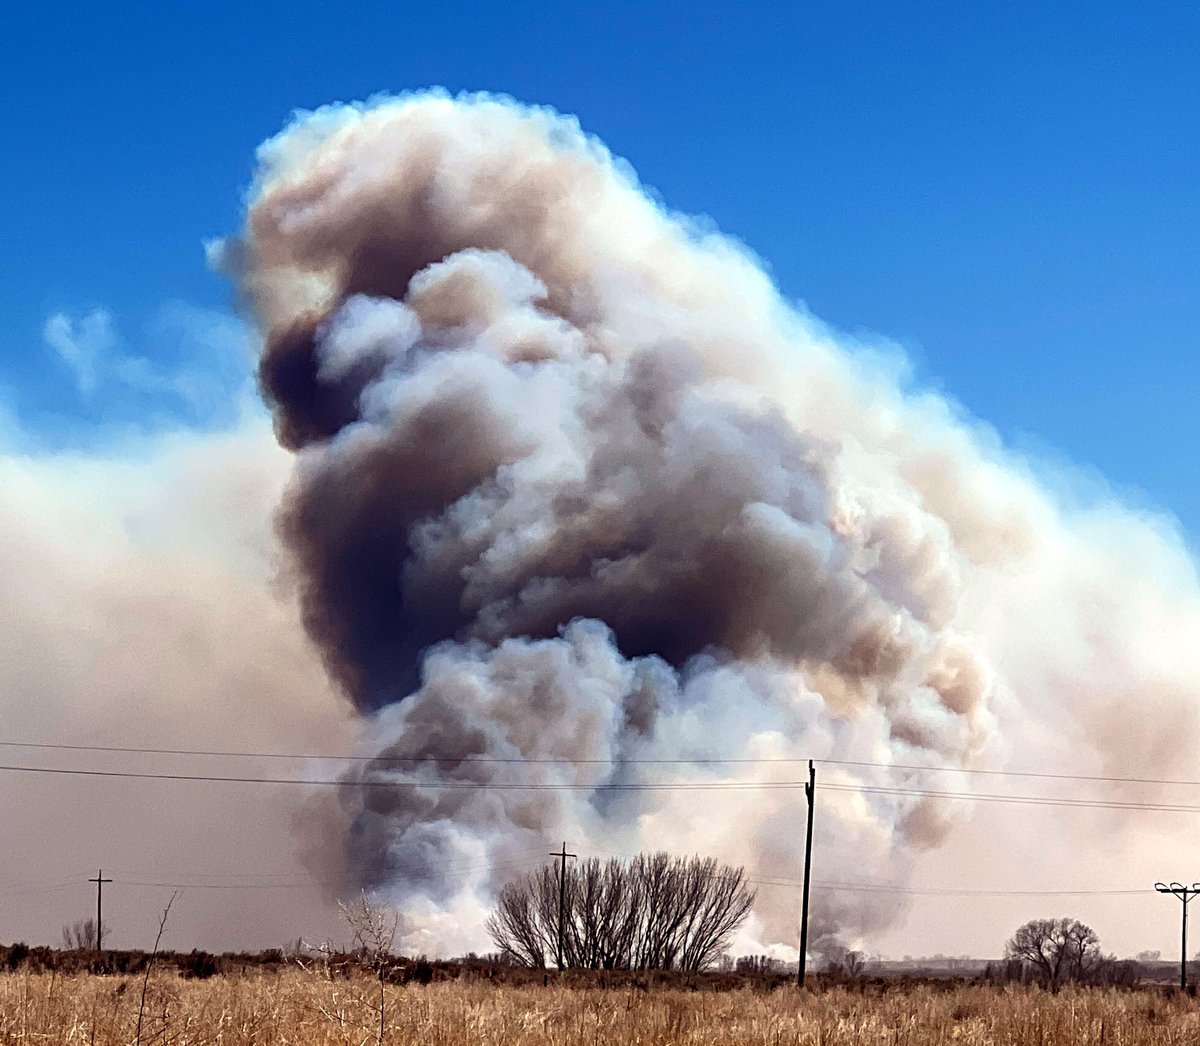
[(840, 961), (81, 934), (374, 930), (1058, 950), (757, 964), (654, 912)]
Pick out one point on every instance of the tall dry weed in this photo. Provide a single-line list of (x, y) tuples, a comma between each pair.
[(295, 1007)]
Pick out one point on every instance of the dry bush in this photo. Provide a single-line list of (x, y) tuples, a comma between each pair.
[(82, 934), (291, 1007), (655, 912)]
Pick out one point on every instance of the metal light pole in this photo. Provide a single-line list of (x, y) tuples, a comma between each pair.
[(1185, 894)]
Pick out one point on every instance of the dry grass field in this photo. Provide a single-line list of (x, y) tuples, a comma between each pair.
[(295, 1006)]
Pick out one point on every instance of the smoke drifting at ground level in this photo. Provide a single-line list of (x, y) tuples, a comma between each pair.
[(140, 611)]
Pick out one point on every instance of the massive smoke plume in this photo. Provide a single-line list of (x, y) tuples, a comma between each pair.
[(576, 490)]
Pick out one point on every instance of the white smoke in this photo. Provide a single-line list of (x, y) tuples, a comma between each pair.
[(573, 483), (139, 611)]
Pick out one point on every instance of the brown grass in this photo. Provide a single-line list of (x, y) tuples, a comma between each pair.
[(296, 1006)]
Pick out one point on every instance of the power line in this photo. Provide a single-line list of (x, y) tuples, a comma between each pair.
[(759, 878), (455, 870), (474, 864), (388, 759), (378, 783), (1025, 800), (611, 761), (947, 891), (231, 886), (27, 891), (1045, 775), (317, 884), (504, 786), (754, 879)]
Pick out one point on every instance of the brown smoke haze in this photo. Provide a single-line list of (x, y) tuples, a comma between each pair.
[(139, 610), (561, 492), (574, 485)]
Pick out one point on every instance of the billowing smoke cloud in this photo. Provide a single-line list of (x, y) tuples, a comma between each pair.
[(576, 490)]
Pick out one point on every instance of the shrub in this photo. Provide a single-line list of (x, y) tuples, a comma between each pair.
[(17, 954), (199, 965)]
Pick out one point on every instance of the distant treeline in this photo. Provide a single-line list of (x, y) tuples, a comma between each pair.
[(494, 968), (196, 963), (748, 972)]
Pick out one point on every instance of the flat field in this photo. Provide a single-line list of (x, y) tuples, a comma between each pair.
[(295, 1006)]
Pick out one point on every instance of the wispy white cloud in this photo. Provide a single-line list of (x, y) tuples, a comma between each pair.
[(199, 361), (82, 344)]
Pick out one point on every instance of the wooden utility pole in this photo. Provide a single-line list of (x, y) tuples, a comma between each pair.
[(100, 881), (562, 896), (810, 793), (1185, 894)]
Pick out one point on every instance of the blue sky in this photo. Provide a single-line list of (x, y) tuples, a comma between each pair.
[(1010, 191)]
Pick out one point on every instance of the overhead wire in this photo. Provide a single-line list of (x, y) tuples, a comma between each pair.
[(759, 878), (1026, 800), (510, 786), (320, 884), (363, 867), (392, 783), (533, 859), (389, 759)]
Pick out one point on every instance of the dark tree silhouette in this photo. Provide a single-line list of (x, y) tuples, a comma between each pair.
[(1057, 950), (656, 912), (81, 934)]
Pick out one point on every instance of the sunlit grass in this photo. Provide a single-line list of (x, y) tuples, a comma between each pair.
[(296, 1006)]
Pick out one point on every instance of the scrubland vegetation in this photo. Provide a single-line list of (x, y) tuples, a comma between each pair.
[(1054, 988), (290, 1005)]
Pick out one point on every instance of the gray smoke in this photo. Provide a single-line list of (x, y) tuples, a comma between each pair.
[(574, 485)]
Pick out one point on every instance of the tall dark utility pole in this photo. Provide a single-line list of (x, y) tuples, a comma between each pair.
[(100, 881), (562, 896), (810, 792), (1185, 894)]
